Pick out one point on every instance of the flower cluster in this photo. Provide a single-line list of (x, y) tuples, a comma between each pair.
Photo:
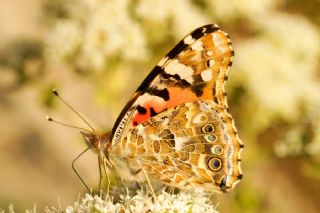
[(278, 68), (142, 202), (95, 33)]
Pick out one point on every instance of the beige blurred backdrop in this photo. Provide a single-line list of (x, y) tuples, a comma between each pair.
[(95, 53)]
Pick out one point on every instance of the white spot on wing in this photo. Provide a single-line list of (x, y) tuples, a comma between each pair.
[(200, 118), (188, 39), (218, 41), (206, 75), (239, 153), (202, 162), (197, 46), (211, 63), (179, 143), (140, 129), (235, 183), (174, 67), (204, 107), (209, 53), (165, 122), (189, 79)]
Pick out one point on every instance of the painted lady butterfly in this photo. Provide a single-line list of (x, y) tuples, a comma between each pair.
[(176, 128)]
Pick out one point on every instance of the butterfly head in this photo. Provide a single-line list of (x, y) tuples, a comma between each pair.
[(96, 141)]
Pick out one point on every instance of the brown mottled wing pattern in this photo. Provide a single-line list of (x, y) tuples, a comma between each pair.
[(192, 145), (176, 127), (199, 142)]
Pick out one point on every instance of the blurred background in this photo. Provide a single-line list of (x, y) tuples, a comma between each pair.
[(96, 53)]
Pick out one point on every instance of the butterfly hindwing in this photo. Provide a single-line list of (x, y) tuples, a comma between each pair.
[(193, 144)]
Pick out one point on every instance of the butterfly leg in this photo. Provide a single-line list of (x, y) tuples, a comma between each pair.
[(104, 178), (100, 174), (105, 161), (149, 183), (171, 190), (75, 170)]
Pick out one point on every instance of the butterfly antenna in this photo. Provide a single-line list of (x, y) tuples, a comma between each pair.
[(75, 171), (67, 125), (54, 91)]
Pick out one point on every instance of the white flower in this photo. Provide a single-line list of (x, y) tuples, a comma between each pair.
[(184, 15), (97, 32), (233, 9), (63, 40), (144, 201), (279, 64)]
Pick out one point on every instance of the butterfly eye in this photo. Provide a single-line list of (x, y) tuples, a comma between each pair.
[(215, 164), (208, 128)]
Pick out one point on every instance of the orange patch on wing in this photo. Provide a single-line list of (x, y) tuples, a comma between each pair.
[(179, 96), (154, 103)]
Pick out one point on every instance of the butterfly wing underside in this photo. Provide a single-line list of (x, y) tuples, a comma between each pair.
[(177, 126), (194, 144), (195, 69)]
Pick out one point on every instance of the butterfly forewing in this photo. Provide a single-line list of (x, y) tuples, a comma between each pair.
[(195, 69)]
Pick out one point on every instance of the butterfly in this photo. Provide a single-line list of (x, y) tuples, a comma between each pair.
[(176, 128)]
